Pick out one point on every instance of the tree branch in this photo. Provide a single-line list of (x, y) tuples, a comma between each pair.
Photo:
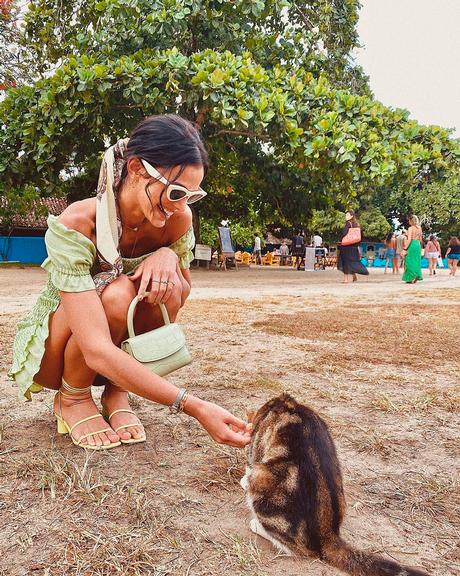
[(241, 133), (200, 117)]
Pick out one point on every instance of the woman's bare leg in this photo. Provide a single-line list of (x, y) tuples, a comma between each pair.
[(63, 359), (147, 318)]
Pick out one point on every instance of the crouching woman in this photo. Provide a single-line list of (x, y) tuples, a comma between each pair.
[(134, 238)]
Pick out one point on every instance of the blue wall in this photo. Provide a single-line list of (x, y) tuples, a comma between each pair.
[(25, 249), (380, 263)]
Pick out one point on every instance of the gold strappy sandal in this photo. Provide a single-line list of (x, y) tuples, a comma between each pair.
[(64, 428), (108, 416)]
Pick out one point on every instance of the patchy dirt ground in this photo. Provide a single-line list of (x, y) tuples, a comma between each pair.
[(380, 361)]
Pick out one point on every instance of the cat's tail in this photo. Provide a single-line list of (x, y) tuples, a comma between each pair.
[(356, 562)]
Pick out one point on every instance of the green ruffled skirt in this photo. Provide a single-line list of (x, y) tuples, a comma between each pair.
[(29, 343)]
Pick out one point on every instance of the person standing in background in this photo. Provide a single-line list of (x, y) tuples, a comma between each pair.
[(284, 253), (400, 239), (453, 255), (317, 241), (298, 249), (413, 252), (390, 253), (432, 253), (257, 251), (349, 261)]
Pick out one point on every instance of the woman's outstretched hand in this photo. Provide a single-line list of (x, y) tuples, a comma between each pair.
[(222, 426)]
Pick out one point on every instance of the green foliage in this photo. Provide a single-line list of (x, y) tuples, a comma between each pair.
[(290, 124), (243, 235), (374, 225), (14, 202), (329, 223), (438, 206), (208, 233), (16, 64)]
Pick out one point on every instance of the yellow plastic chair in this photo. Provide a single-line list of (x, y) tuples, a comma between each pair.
[(246, 258), (267, 259)]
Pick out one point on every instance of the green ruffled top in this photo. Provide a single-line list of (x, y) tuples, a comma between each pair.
[(71, 264)]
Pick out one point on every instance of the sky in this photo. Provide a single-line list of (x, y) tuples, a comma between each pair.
[(411, 52)]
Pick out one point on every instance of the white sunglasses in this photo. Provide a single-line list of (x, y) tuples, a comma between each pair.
[(174, 192)]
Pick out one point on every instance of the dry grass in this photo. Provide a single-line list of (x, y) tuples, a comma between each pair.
[(447, 400), (409, 335), (7, 329), (222, 471), (174, 507), (423, 496)]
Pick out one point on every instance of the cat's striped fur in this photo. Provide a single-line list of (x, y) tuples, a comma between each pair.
[(294, 489)]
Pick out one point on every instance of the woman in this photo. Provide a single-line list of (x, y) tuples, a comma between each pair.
[(138, 224), (390, 253), (453, 255), (412, 252), (349, 257), (432, 253), (400, 240)]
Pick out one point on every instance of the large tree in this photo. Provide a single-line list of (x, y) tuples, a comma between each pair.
[(288, 119)]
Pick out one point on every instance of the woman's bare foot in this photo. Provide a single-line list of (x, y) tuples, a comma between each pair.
[(113, 398), (77, 407)]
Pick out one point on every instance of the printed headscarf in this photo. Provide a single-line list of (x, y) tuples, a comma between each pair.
[(108, 223)]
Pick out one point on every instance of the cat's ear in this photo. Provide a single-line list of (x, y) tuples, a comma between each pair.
[(251, 415)]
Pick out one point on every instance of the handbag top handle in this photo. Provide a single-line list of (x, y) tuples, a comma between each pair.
[(131, 309)]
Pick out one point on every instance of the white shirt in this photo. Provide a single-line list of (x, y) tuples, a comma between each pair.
[(257, 243), (317, 241)]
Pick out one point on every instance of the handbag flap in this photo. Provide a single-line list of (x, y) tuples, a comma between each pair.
[(156, 344)]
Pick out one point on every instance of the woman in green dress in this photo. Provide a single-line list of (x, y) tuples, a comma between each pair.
[(138, 224), (412, 252)]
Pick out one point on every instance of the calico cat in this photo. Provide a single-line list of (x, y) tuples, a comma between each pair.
[(294, 489)]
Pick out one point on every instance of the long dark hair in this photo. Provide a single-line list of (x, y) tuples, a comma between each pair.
[(454, 241), (166, 140), (354, 221)]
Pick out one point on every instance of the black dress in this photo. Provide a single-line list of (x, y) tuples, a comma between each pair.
[(349, 260)]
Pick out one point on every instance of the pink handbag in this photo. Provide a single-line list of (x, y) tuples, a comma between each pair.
[(353, 236)]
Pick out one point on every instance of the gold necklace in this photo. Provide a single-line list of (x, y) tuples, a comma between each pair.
[(135, 229), (135, 239)]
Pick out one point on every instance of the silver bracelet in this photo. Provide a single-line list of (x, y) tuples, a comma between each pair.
[(179, 403)]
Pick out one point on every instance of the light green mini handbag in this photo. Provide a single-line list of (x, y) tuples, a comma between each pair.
[(162, 350)]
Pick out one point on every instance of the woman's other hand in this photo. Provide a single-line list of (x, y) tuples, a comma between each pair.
[(157, 275), (220, 424)]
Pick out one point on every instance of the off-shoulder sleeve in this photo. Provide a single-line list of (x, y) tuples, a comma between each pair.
[(183, 247), (70, 257)]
